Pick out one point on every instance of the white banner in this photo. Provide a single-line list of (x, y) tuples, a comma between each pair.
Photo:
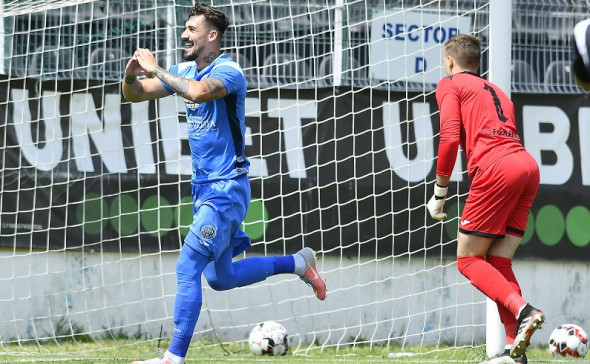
[(408, 46)]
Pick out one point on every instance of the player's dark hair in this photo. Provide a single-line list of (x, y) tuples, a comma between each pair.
[(465, 50), (213, 17)]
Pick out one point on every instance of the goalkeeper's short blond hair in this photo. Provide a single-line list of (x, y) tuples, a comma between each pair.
[(465, 50)]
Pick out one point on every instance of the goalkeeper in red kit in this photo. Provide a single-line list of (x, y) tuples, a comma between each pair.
[(476, 115)]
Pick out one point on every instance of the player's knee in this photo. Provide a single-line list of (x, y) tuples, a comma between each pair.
[(188, 279), (463, 263), (218, 284)]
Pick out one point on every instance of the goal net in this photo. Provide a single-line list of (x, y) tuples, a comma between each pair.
[(341, 134)]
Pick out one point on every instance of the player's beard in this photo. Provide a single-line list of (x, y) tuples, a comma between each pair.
[(192, 55)]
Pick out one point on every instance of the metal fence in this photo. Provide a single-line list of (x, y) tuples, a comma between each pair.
[(287, 43)]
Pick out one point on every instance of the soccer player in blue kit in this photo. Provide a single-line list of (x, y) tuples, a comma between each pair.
[(214, 91)]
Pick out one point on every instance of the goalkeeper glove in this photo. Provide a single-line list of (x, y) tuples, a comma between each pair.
[(437, 201)]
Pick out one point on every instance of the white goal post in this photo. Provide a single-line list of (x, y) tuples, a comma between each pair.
[(341, 134), (500, 43)]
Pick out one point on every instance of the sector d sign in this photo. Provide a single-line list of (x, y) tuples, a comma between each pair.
[(408, 46)]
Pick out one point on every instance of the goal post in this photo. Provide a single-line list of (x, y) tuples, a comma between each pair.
[(341, 134), (500, 57)]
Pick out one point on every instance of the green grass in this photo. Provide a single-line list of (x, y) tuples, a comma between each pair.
[(125, 351)]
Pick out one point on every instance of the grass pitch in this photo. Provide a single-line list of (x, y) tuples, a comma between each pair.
[(108, 351)]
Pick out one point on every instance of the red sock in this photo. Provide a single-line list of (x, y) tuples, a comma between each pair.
[(504, 266), (490, 282)]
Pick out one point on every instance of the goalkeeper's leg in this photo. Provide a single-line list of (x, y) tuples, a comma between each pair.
[(471, 250), (500, 254), (504, 266), (493, 284)]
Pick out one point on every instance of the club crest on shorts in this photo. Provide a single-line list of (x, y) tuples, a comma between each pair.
[(208, 232)]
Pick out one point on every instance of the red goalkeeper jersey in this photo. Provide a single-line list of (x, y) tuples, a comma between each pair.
[(477, 115)]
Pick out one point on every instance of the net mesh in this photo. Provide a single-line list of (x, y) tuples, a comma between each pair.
[(95, 191)]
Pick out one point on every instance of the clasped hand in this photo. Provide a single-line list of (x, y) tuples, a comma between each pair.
[(143, 63)]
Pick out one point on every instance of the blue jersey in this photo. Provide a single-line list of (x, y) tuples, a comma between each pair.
[(216, 128)]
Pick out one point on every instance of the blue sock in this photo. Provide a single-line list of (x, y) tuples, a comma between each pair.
[(284, 264), (188, 300)]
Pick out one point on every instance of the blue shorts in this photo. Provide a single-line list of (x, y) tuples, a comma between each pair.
[(219, 208)]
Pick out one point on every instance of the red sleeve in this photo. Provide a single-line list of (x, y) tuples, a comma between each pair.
[(447, 97)]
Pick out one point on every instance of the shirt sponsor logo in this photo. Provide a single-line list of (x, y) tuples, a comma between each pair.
[(191, 105), (500, 132), (201, 126)]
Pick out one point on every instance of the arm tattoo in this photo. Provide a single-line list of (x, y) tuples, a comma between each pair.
[(178, 84), (130, 79), (215, 86)]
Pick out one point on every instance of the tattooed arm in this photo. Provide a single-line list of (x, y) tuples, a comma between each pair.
[(135, 90), (198, 91), (144, 63)]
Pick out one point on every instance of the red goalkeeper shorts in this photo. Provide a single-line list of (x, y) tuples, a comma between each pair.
[(501, 196)]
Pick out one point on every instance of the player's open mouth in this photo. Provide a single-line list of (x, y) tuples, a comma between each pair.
[(189, 45)]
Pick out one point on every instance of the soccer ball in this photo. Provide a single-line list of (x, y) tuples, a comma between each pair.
[(269, 338), (568, 339)]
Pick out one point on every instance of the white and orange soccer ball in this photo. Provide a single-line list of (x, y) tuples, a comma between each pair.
[(269, 338), (568, 339)]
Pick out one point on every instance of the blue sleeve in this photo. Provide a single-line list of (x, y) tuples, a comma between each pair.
[(174, 71), (231, 75)]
